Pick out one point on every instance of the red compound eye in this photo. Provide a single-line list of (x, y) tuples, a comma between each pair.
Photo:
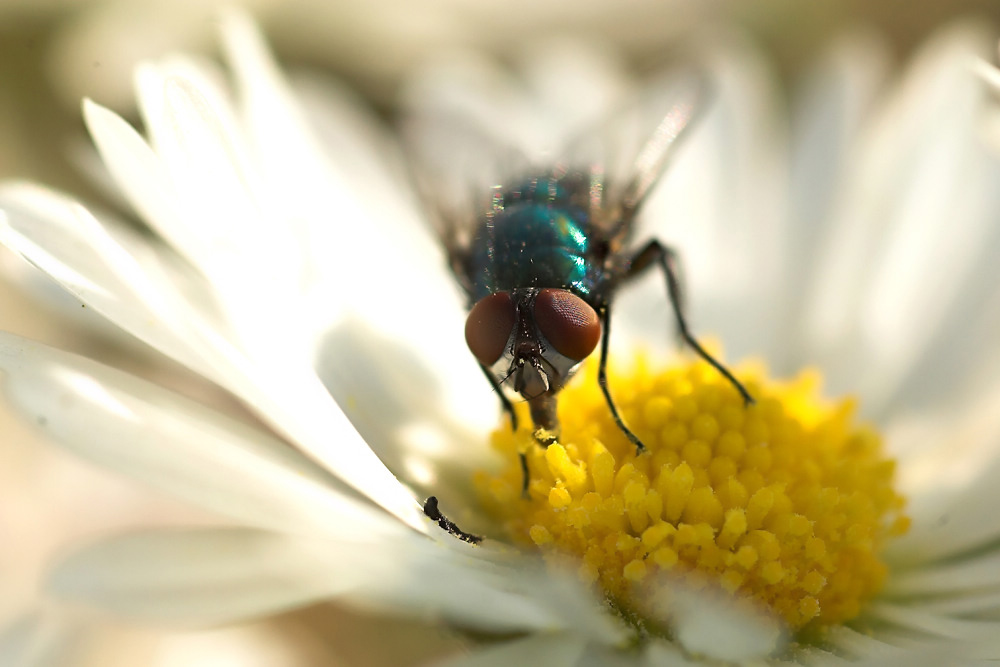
[(488, 327), (568, 322)]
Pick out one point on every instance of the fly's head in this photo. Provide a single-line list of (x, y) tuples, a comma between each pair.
[(532, 339)]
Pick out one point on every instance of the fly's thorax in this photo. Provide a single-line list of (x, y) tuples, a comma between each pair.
[(540, 233), (532, 339)]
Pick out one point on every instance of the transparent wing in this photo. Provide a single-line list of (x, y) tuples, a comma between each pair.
[(633, 147), (460, 150), (458, 153)]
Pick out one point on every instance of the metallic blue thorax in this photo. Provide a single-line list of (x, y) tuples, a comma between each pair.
[(535, 237)]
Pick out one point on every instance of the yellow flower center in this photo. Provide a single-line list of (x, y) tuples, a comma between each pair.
[(787, 501)]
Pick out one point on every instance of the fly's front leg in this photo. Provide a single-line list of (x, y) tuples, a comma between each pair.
[(504, 401), (602, 380), (654, 251)]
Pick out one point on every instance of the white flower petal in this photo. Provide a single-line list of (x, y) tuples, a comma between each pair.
[(555, 650), (859, 646), (136, 169), (978, 572), (836, 97), (720, 205), (710, 625), (952, 485), (209, 576), (64, 240), (511, 596), (300, 182), (205, 576), (838, 94), (207, 76), (979, 604), (231, 237), (911, 617), (663, 654), (385, 324), (139, 429), (907, 235), (108, 268), (37, 640)]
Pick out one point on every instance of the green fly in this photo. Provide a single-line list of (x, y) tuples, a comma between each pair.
[(540, 262)]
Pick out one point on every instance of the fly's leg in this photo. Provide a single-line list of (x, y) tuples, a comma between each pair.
[(602, 380), (508, 407), (432, 512), (505, 403), (654, 251)]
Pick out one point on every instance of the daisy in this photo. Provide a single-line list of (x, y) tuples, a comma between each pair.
[(285, 261)]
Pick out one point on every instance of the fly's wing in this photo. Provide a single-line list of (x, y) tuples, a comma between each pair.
[(460, 151), (457, 159), (631, 150)]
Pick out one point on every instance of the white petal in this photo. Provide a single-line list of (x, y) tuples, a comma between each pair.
[(38, 289), (135, 168), (139, 429), (978, 572), (106, 267), (374, 269), (65, 241), (710, 625), (910, 228), (662, 654), (911, 617), (206, 576), (858, 645), (558, 650), (952, 485), (470, 593), (230, 232), (979, 604), (720, 205), (38, 639), (301, 185), (838, 94)]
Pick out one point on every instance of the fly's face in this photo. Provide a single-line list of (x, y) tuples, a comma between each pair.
[(532, 339)]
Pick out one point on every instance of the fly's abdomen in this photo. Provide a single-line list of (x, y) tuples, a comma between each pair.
[(531, 244)]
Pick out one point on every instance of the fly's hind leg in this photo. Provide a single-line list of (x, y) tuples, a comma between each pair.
[(654, 251)]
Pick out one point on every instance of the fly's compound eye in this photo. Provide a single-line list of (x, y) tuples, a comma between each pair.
[(489, 326), (568, 322)]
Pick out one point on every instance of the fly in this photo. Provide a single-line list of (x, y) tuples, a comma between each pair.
[(541, 263)]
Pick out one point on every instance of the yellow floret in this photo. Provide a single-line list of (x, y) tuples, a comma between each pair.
[(787, 501)]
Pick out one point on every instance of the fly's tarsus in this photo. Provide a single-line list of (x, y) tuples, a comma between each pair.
[(432, 512)]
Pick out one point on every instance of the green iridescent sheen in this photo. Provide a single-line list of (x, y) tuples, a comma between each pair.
[(538, 239)]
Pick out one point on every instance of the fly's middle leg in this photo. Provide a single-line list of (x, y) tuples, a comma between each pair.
[(666, 257)]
